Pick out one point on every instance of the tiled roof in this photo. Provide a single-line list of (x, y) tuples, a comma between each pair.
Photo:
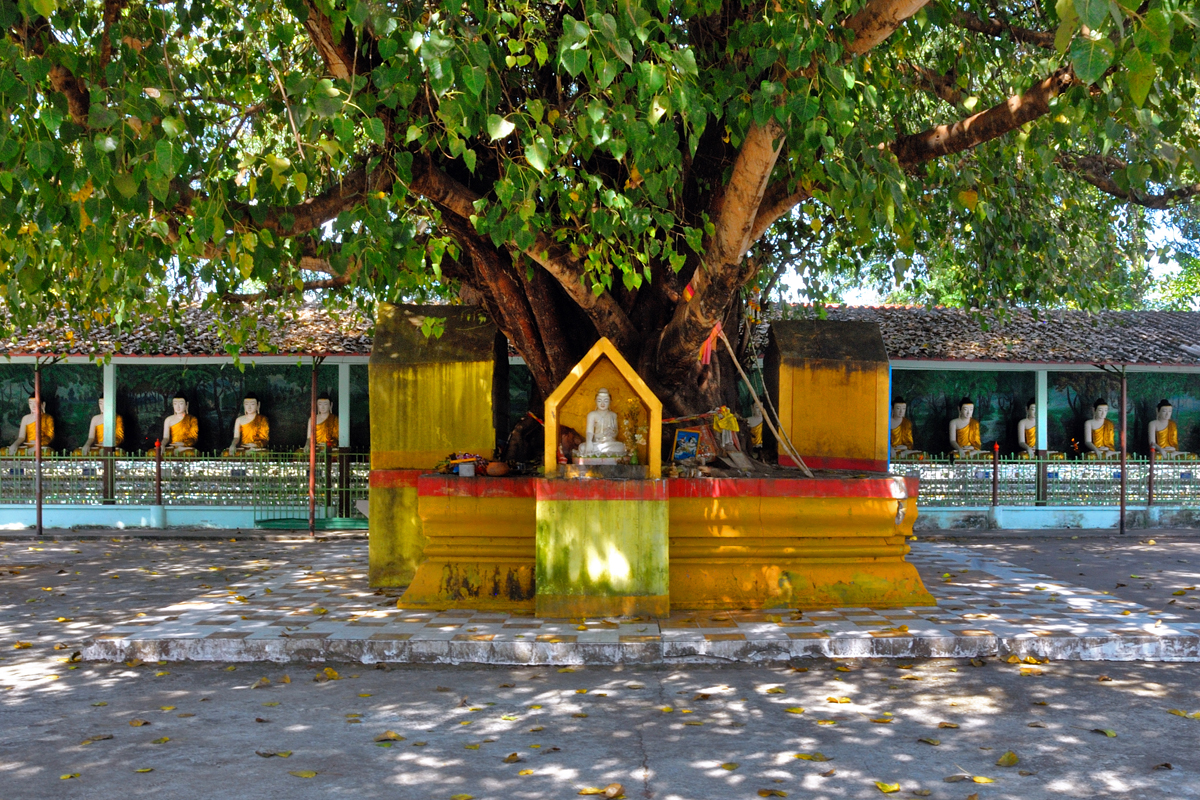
[(909, 332), (1062, 337), (308, 330)]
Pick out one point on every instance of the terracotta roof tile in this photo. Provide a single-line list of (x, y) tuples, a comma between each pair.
[(310, 329)]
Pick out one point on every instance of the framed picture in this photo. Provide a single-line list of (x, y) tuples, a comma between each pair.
[(686, 441)]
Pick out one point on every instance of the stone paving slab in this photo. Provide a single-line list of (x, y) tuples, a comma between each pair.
[(323, 610)]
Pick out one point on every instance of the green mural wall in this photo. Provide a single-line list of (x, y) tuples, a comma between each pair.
[(1000, 399), (933, 397), (70, 392), (1072, 395), (214, 391)]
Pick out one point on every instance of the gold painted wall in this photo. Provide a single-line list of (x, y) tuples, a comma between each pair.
[(852, 427)]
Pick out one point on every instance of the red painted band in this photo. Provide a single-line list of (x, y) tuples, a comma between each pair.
[(454, 486), (394, 478), (833, 462), (705, 488), (599, 489)]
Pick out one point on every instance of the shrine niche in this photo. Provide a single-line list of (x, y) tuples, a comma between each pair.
[(638, 411)]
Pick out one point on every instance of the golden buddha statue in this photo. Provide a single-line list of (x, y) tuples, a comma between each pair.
[(251, 432), (95, 438), (327, 425), (1099, 433), (27, 439), (1163, 434), (1027, 431), (901, 428), (964, 431), (180, 429)]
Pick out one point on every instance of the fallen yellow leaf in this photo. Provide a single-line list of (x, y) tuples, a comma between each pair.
[(883, 720), (471, 746), (776, 690), (947, 725), (926, 740), (981, 779), (839, 700), (137, 723), (827, 722), (794, 710), (730, 766), (772, 793), (389, 736), (812, 756), (887, 788), (161, 740), (525, 772), (303, 773), (68, 776), (22, 645), (1009, 759), (145, 769)]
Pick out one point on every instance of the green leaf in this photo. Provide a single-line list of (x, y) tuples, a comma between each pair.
[(475, 79), (44, 7), (300, 180), (165, 155), (538, 156), (6, 180), (40, 156), (1092, 12), (172, 126), (1157, 25), (1091, 57), (1068, 25), (498, 127), (469, 158), (573, 61), (126, 184), (373, 127), (1141, 75)]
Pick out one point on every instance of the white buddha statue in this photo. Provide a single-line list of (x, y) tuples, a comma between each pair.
[(1099, 433), (964, 431), (1164, 433), (600, 439), (1027, 431)]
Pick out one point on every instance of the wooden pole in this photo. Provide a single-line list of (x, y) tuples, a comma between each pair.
[(781, 438), (37, 442), (1124, 450), (312, 455)]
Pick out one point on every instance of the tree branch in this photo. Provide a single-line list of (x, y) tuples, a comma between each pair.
[(942, 86), (604, 311), (984, 126), (341, 57), (112, 11), (35, 35), (1097, 170), (722, 270), (876, 21), (1000, 28), (776, 202), (314, 211)]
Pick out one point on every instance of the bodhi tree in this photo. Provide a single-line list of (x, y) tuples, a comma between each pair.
[(579, 168)]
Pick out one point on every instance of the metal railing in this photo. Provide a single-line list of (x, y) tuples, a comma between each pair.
[(1027, 482), (274, 484)]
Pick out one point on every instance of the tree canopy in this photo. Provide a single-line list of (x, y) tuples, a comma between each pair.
[(583, 168)]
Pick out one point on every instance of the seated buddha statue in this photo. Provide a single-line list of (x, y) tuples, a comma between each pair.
[(180, 429), (1163, 434), (95, 438), (1099, 433), (964, 431), (251, 432), (27, 441), (327, 425), (1027, 431), (600, 438), (901, 431)]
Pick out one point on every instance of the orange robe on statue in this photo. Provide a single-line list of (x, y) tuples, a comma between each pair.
[(902, 436), (1105, 435), (47, 432), (1168, 436), (256, 432), (186, 431), (327, 432), (968, 435), (118, 436)]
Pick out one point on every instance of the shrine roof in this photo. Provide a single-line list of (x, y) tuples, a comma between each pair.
[(1054, 337), (308, 330)]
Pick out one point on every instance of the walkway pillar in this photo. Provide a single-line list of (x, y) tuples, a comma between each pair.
[(1042, 397)]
